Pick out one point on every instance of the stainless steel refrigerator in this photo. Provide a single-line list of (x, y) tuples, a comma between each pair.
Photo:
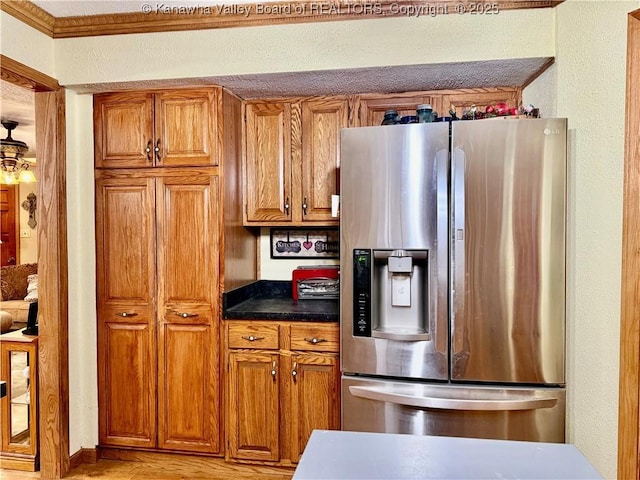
[(453, 278)]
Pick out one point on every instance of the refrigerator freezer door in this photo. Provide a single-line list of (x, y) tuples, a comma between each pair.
[(394, 234), (508, 251), (517, 413)]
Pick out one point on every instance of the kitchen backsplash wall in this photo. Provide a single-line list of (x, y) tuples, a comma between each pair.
[(280, 269)]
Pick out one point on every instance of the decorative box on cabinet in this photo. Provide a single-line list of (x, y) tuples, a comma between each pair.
[(19, 407), (143, 129), (283, 382), (292, 156)]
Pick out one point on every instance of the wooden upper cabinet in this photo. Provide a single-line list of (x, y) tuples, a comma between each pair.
[(292, 155), (481, 98), (123, 129), (186, 126), (322, 121), (372, 107), (267, 185), (142, 129)]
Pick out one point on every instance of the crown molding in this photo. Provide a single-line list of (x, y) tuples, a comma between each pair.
[(31, 14), (162, 18)]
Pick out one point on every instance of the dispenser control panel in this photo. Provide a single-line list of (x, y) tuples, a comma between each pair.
[(361, 293)]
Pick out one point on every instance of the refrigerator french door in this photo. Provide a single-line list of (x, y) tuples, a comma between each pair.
[(453, 278)]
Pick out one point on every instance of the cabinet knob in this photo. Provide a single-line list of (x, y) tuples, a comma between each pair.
[(186, 314), (273, 370), (304, 205), (148, 150), (315, 340), (286, 206), (294, 373), (126, 314), (157, 150)]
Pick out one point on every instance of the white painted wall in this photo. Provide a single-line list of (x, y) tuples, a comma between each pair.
[(26, 45), (83, 383), (591, 64), (586, 85), (310, 46)]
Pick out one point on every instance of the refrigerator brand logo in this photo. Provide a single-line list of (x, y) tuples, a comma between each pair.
[(552, 131)]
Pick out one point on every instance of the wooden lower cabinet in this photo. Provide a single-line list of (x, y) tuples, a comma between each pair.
[(254, 405), (277, 394)]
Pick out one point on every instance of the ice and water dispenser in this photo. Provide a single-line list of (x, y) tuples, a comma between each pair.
[(391, 294)]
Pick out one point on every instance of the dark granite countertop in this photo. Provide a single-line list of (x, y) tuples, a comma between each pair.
[(272, 300)]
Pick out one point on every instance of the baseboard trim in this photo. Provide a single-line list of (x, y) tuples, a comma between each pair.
[(84, 455)]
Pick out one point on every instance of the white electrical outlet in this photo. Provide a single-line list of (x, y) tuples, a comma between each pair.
[(25, 233)]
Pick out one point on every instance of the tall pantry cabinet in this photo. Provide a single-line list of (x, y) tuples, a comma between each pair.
[(164, 221)]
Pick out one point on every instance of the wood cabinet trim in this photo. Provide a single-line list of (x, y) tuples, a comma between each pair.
[(629, 389)]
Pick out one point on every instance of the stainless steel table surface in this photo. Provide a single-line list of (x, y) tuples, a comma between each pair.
[(356, 455)]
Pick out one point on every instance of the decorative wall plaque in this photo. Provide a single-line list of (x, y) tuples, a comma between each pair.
[(315, 243)]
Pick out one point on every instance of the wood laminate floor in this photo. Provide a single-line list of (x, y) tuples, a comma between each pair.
[(164, 469)]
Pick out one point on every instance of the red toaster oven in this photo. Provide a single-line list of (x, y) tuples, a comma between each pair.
[(316, 282)]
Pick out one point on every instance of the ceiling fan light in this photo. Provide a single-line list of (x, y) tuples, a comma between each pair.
[(26, 176), (10, 178)]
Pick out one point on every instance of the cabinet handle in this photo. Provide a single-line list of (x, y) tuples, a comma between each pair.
[(148, 150), (186, 315), (251, 338), (273, 371), (304, 206), (294, 374), (126, 314), (157, 150), (286, 206), (315, 340)]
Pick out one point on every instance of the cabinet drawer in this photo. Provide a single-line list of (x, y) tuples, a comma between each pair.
[(253, 335), (317, 338)]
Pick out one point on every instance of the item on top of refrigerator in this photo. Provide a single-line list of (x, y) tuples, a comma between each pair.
[(391, 117), (425, 113), (408, 119)]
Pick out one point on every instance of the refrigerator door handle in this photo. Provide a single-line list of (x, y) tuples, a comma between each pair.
[(506, 404), (458, 251)]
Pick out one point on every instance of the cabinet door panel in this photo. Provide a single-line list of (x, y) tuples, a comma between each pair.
[(253, 406), (188, 403), (123, 130), (187, 241), (125, 264), (186, 127), (187, 262), (315, 398), (126, 383), (268, 162), (321, 123), (125, 232)]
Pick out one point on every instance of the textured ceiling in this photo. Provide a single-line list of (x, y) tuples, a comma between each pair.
[(403, 78), (18, 104)]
